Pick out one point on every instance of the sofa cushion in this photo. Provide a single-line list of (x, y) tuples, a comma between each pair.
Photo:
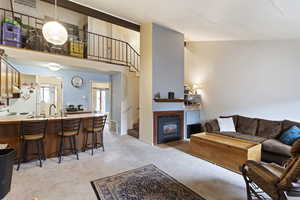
[(291, 135), (269, 129), (250, 138), (229, 134), (275, 146), (226, 124), (234, 117), (247, 125), (212, 126), (286, 124)]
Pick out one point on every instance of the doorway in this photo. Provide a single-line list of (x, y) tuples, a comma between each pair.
[(100, 97), (49, 93)]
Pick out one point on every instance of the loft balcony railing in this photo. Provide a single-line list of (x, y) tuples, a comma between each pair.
[(27, 34)]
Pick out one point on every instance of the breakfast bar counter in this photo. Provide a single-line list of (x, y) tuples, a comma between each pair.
[(10, 131), (16, 119)]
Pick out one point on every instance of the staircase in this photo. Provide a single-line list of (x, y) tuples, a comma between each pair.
[(82, 44), (134, 132)]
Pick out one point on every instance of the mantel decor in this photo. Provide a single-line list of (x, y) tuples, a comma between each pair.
[(161, 100)]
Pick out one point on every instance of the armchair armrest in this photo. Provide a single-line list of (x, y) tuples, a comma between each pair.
[(261, 176), (257, 170)]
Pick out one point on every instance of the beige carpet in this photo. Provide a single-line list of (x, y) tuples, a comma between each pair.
[(71, 179)]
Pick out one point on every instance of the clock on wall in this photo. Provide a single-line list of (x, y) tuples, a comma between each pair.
[(77, 81)]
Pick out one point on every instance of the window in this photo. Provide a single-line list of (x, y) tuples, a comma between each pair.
[(47, 94), (100, 100)]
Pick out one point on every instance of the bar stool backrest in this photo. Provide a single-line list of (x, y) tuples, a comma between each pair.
[(70, 125), (30, 128), (99, 123)]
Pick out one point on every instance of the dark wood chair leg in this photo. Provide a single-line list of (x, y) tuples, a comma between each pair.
[(248, 189), (21, 156), (86, 137), (61, 148), (93, 143), (25, 151), (102, 143), (39, 152), (43, 149), (75, 146), (71, 145)]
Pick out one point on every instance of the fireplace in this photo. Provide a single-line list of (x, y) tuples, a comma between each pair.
[(168, 126)]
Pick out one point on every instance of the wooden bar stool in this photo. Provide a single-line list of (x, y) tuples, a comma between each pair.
[(32, 131), (95, 127), (69, 130)]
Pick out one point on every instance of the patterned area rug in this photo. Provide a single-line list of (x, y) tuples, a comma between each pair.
[(145, 183)]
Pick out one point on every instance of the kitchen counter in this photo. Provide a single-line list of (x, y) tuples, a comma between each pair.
[(15, 119), (78, 112), (10, 131)]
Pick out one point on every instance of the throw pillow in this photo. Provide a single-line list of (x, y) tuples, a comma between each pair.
[(290, 136), (226, 124)]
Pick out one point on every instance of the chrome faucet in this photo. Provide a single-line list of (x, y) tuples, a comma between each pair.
[(50, 108)]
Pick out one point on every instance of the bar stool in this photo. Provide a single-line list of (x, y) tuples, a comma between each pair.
[(69, 130), (95, 126), (32, 131)]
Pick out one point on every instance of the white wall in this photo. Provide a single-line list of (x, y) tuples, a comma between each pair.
[(130, 36), (125, 100), (132, 99), (116, 99), (251, 78), (146, 115)]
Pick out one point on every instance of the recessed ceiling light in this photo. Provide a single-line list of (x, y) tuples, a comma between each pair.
[(54, 66)]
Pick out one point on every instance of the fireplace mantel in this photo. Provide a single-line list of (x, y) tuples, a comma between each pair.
[(156, 115), (168, 100)]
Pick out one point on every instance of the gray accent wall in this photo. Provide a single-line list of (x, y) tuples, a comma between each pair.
[(168, 66)]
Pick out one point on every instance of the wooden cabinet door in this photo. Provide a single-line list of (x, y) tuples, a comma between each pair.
[(13, 73), (17, 76), (9, 82), (3, 79)]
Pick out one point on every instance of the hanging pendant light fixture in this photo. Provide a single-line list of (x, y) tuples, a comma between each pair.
[(54, 32)]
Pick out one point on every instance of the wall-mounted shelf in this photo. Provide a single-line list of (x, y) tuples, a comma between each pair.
[(169, 100)]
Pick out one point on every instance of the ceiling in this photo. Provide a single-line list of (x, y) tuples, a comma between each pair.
[(205, 20)]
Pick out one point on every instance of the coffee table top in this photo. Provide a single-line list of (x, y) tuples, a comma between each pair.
[(225, 140)]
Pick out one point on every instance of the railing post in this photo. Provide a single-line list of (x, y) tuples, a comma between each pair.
[(126, 54)]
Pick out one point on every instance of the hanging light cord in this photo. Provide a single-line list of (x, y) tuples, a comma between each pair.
[(55, 10)]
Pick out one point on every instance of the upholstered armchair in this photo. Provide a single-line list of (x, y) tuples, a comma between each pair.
[(271, 179)]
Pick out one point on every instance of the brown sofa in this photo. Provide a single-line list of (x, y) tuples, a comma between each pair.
[(261, 131)]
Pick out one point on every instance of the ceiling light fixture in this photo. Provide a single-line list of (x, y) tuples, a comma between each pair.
[(54, 32), (54, 66)]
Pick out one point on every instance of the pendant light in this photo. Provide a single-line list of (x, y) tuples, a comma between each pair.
[(54, 32)]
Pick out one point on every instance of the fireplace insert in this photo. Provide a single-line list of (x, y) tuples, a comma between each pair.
[(169, 128)]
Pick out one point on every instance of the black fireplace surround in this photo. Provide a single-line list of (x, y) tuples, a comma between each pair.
[(168, 128)]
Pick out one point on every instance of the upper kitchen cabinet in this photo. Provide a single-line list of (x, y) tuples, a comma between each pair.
[(3, 79), (10, 80)]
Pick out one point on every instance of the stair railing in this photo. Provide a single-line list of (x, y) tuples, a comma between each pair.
[(81, 43)]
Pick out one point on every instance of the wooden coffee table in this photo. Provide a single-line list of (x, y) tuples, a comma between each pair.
[(225, 151)]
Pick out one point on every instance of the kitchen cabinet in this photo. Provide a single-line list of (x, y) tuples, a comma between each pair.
[(3, 79), (15, 77), (9, 82), (10, 78)]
